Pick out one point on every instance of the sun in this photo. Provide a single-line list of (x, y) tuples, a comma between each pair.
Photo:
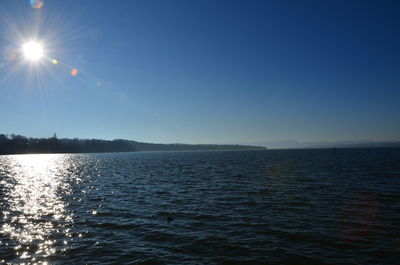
[(33, 51)]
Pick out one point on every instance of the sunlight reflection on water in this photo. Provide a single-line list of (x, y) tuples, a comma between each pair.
[(249, 207), (35, 213)]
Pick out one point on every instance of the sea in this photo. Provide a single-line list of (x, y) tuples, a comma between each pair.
[(318, 206)]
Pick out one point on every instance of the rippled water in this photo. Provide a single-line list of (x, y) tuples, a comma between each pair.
[(261, 207)]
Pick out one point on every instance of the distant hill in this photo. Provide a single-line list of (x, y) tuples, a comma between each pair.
[(365, 144), (294, 144), (18, 144), (180, 147)]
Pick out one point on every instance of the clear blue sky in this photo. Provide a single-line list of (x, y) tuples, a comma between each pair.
[(203, 71)]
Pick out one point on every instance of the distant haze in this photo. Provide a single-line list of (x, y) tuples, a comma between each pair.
[(289, 144)]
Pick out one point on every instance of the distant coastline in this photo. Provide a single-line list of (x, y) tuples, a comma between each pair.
[(18, 144), (294, 144)]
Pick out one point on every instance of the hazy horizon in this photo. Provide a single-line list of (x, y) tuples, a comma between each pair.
[(272, 144), (202, 72)]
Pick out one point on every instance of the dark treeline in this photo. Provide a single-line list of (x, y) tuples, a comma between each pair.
[(191, 147), (17, 144)]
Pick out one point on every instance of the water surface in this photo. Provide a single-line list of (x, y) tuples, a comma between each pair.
[(242, 207)]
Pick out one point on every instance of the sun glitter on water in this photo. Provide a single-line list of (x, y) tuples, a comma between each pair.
[(33, 51)]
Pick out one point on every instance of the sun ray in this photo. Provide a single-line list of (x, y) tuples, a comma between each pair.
[(54, 57)]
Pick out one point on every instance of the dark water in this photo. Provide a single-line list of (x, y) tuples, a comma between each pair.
[(261, 207)]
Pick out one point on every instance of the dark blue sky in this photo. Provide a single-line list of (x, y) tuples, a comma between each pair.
[(203, 71)]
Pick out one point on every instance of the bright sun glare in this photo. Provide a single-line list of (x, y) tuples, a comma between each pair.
[(33, 50)]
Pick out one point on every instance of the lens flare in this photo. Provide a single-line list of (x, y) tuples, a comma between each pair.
[(74, 72), (54, 61), (36, 3), (11, 56)]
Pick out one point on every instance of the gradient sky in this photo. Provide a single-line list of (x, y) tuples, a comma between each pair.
[(203, 71)]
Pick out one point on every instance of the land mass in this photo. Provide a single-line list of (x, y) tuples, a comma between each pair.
[(294, 144), (18, 144)]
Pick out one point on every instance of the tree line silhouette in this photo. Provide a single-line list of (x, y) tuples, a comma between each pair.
[(18, 144)]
